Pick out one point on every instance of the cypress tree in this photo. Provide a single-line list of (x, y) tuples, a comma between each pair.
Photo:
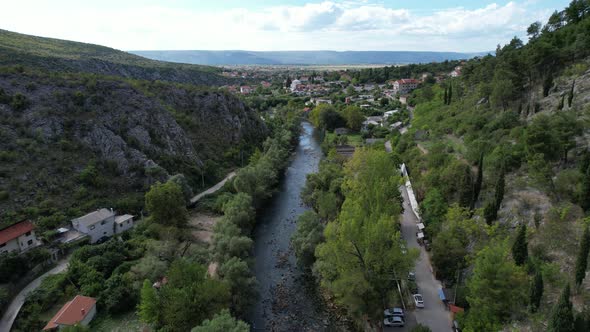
[(478, 181), (445, 96), (490, 212), (450, 97), (520, 251), (585, 196), (562, 317), (570, 96), (536, 291), (499, 196), (582, 260)]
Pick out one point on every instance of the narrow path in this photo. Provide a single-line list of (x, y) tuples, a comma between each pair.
[(213, 189), (18, 301)]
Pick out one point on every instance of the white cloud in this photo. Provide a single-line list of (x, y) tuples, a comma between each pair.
[(348, 25)]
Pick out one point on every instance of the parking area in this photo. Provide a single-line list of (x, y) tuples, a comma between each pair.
[(434, 314)]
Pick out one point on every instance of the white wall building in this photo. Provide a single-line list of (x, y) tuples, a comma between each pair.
[(96, 224), (123, 223), (294, 85)]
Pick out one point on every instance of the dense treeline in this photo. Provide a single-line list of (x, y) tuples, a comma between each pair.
[(360, 252), (384, 74)]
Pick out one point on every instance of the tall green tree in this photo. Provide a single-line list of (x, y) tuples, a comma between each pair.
[(520, 251), (497, 284), (536, 291), (585, 194), (166, 205), (222, 322), (354, 117), (582, 259), (242, 283), (562, 316), (308, 235), (477, 183), (148, 309)]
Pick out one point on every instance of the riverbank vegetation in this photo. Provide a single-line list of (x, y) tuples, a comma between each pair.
[(361, 252)]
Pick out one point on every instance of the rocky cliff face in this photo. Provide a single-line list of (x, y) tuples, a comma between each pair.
[(80, 139)]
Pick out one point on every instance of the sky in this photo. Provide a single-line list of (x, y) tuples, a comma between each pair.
[(270, 25)]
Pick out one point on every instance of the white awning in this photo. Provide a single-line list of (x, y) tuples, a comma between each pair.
[(420, 226), (420, 235)]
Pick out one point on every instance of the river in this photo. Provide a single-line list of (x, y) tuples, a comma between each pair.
[(288, 300)]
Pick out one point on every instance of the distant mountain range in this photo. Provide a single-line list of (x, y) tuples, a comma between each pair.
[(216, 58)]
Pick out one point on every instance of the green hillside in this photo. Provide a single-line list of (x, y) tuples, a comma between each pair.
[(63, 55)]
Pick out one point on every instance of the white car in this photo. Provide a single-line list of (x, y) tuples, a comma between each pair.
[(396, 321), (418, 300), (394, 312)]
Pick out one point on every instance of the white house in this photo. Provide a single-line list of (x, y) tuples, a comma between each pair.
[(18, 238), (96, 224), (295, 84), (245, 90), (81, 310), (389, 113), (323, 101), (123, 223)]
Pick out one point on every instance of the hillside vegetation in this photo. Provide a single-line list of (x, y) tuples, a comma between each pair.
[(69, 56), (71, 143), (499, 160)]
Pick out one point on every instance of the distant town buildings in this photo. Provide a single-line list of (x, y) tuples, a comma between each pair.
[(245, 90), (456, 72)]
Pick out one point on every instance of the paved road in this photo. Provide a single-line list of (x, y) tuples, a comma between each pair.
[(434, 315), (212, 189), (18, 301)]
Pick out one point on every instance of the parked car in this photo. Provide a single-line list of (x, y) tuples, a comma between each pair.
[(412, 276), (418, 300), (456, 326), (394, 312), (403, 248), (395, 321)]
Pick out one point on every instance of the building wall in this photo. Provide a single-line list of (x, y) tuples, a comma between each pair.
[(24, 240), (89, 317), (98, 230), (21, 243), (11, 245), (125, 225)]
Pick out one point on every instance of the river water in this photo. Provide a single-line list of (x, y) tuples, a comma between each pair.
[(287, 300)]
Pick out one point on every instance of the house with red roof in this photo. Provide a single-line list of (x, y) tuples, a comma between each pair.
[(18, 238), (81, 310), (405, 85)]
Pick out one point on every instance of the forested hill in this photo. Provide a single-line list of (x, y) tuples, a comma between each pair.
[(68, 56), (500, 164)]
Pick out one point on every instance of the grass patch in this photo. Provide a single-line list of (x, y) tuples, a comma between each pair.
[(120, 323)]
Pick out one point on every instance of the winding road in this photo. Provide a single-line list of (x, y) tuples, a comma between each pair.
[(18, 301)]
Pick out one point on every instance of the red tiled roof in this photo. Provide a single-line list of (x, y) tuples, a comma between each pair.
[(72, 312), (408, 81), (14, 231)]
